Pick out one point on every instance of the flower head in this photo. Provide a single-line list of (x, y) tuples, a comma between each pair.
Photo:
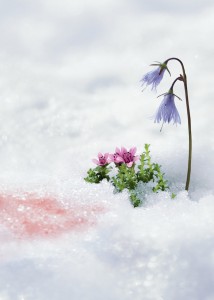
[(116, 157), (124, 156), (154, 77), (167, 110), (102, 159)]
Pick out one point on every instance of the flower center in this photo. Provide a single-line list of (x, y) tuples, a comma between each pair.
[(127, 157), (102, 160), (116, 156)]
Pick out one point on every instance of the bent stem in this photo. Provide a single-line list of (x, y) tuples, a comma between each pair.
[(189, 120)]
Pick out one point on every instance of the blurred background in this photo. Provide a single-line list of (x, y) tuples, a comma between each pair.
[(70, 82), (70, 87)]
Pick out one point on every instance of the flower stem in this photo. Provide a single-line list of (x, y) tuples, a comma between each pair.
[(188, 118), (178, 78)]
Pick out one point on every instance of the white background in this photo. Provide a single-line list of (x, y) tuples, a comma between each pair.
[(70, 87)]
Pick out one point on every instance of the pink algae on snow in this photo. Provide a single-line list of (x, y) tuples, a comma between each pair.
[(34, 216)]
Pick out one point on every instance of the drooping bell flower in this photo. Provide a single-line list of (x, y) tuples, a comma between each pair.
[(167, 110), (154, 77)]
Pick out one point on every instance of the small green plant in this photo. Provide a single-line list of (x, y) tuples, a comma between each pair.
[(128, 174), (97, 174)]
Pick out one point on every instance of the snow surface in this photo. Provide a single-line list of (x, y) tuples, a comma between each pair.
[(69, 88)]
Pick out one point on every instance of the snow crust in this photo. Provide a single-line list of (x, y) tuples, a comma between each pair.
[(69, 88)]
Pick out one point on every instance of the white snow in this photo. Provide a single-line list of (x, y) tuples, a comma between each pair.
[(69, 88)]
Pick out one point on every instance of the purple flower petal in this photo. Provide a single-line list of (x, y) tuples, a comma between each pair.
[(123, 150), (119, 159), (167, 111), (133, 150), (130, 164), (95, 161), (153, 78), (111, 157), (100, 155), (118, 151), (135, 158), (106, 155)]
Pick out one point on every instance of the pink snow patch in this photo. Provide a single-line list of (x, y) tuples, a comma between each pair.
[(32, 216)]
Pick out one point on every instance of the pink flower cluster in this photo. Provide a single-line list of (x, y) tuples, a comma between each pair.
[(119, 157)]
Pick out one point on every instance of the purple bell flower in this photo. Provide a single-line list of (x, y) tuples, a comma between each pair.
[(154, 77), (167, 110)]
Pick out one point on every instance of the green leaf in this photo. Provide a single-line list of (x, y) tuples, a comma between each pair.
[(173, 196), (97, 174), (135, 200), (125, 179)]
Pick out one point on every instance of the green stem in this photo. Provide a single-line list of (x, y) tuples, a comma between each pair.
[(189, 120)]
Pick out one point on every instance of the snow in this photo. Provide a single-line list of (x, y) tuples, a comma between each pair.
[(69, 88)]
